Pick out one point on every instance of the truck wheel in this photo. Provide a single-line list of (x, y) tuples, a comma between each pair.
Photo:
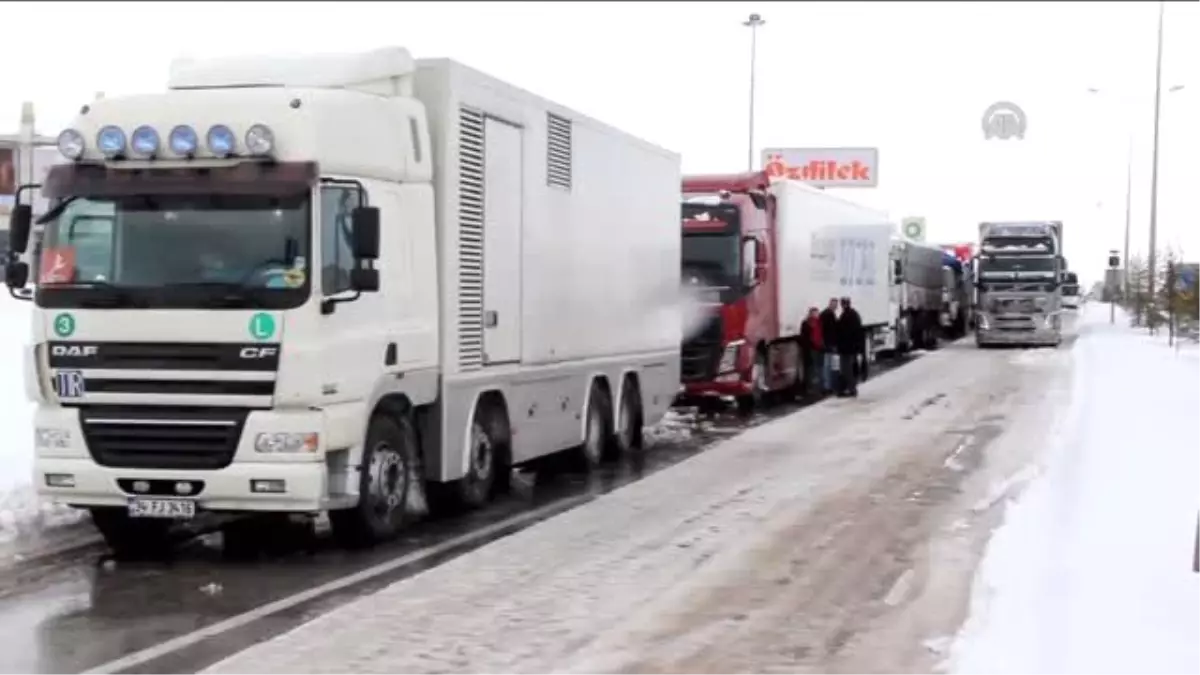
[(384, 480), (486, 466), (758, 386), (629, 422), (132, 538), (597, 438)]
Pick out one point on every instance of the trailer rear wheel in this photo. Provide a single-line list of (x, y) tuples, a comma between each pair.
[(385, 479)]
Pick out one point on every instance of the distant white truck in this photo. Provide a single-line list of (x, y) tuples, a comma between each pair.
[(837, 248), (291, 286)]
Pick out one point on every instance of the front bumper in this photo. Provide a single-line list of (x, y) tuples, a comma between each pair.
[(1031, 332), (228, 488), (718, 388)]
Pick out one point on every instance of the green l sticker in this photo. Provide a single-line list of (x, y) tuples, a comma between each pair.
[(64, 325), (262, 326)]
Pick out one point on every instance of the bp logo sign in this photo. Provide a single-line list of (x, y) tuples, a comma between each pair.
[(913, 228), (1004, 120)]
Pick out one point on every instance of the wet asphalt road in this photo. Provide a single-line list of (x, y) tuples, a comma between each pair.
[(92, 613)]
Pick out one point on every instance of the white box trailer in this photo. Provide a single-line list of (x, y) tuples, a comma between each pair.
[(472, 276), (559, 249), (830, 247)]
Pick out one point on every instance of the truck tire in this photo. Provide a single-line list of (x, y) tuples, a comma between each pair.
[(597, 445), (384, 482), (132, 538), (758, 386), (487, 469), (629, 421)]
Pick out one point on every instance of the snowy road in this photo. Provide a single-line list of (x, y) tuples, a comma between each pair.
[(840, 538), (1091, 572), (176, 615)]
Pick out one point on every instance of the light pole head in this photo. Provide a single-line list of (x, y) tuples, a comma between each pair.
[(754, 21), (1175, 88)]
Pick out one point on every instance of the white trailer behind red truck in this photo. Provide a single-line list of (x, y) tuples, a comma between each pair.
[(432, 271), (833, 247)]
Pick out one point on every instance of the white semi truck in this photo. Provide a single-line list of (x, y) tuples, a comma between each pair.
[(1019, 283), (294, 286)]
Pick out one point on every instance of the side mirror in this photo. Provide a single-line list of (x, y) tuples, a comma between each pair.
[(19, 226), (16, 274), (364, 280), (753, 262), (364, 227)]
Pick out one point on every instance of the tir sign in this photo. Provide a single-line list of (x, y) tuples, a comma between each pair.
[(257, 352)]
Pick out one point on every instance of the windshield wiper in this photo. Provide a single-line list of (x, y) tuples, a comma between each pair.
[(110, 297)]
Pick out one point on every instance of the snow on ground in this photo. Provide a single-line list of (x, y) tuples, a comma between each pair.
[(690, 552), (22, 514), (1091, 571)]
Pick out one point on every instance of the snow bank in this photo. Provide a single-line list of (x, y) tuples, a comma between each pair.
[(1091, 571), (21, 513)]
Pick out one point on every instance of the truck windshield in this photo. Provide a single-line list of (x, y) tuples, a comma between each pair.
[(1043, 244), (177, 251), (1016, 266), (711, 246)]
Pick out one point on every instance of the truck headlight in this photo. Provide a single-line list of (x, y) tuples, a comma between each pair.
[(51, 438), (729, 357), (286, 442)]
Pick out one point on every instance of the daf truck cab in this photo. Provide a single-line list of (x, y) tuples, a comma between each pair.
[(292, 286)]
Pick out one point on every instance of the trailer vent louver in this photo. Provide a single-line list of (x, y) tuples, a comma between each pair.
[(470, 239), (558, 151)]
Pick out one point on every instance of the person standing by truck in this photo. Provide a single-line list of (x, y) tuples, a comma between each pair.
[(812, 347), (829, 355), (851, 344)]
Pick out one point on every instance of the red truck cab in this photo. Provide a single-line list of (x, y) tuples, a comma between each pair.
[(731, 343)]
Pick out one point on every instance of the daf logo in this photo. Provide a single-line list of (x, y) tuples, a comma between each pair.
[(74, 351), (1004, 120), (258, 352)]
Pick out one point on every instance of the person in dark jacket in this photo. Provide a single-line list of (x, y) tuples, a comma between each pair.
[(812, 347), (851, 344), (829, 354)]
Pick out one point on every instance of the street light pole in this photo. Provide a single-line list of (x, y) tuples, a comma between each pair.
[(753, 23), (1128, 215), (1154, 159)]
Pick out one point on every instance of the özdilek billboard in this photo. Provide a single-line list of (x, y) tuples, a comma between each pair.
[(824, 167)]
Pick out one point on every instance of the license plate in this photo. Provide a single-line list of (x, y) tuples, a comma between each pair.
[(140, 507)]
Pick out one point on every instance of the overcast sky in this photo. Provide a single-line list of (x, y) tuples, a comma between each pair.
[(912, 79)]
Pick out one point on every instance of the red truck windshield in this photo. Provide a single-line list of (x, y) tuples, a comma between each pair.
[(711, 246)]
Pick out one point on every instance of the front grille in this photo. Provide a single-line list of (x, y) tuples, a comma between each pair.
[(95, 385), (162, 437), (701, 354), (259, 357)]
